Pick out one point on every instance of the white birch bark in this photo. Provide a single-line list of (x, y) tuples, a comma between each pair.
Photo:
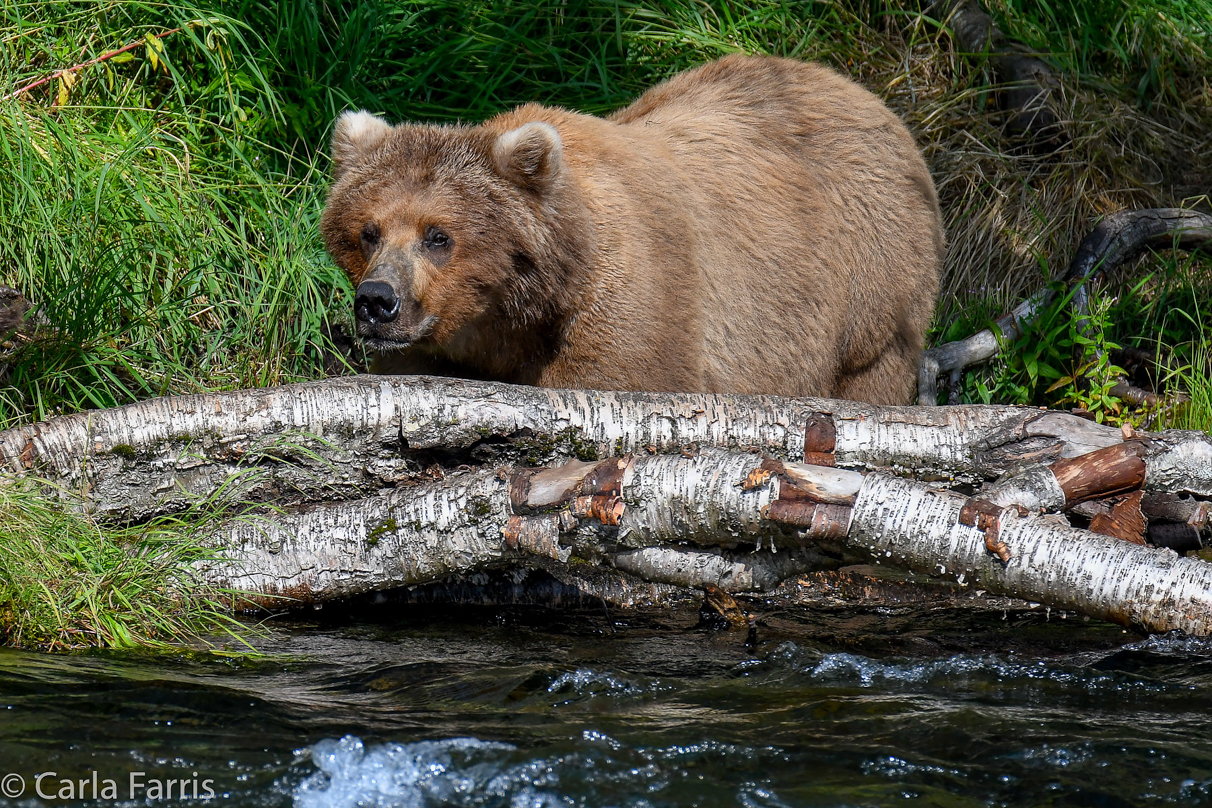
[(334, 550), (349, 437), (718, 500), (746, 572), (1180, 462), (697, 499), (905, 523)]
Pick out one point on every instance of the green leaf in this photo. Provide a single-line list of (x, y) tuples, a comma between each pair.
[(1048, 372), (153, 52)]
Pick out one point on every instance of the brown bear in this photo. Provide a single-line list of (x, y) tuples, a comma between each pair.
[(754, 225)]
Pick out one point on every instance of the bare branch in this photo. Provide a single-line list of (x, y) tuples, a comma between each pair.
[(1115, 240)]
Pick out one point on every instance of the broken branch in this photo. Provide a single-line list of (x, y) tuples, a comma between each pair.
[(102, 58)]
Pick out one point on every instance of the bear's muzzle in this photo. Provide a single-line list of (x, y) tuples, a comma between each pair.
[(376, 303)]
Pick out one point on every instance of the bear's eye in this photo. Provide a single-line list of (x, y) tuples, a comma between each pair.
[(435, 239), (370, 238)]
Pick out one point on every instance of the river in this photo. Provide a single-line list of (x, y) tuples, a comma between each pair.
[(412, 706)]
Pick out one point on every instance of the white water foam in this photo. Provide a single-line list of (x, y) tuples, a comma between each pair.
[(866, 672), (405, 775), (473, 773), (586, 682)]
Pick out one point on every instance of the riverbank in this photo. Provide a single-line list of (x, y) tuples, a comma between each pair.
[(160, 203)]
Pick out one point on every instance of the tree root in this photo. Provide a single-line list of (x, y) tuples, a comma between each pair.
[(1027, 85)]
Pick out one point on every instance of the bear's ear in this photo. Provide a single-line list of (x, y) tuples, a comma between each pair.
[(530, 155), (355, 136)]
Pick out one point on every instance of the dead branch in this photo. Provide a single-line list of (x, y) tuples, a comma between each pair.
[(1027, 83), (1115, 240), (102, 58), (1122, 236)]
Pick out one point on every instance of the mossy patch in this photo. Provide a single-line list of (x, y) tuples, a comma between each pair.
[(479, 507), (388, 525)]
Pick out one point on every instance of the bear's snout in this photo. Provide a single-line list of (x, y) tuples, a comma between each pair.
[(376, 303)]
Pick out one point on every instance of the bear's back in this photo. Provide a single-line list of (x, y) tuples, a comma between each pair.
[(816, 228)]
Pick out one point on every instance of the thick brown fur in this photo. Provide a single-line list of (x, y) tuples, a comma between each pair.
[(755, 225)]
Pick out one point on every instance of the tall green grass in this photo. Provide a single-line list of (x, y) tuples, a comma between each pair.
[(1185, 343), (444, 60), (67, 582), (1154, 47), (161, 208), (163, 216), (167, 248)]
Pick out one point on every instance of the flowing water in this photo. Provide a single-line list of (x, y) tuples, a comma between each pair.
[(526, 707)]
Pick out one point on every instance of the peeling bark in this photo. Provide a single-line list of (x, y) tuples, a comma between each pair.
[(903, 522), (714, 500), (1123, 521), (351, 437)]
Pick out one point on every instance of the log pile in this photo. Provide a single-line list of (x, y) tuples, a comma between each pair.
[(369, 483)]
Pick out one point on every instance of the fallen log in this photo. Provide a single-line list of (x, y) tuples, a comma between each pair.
[(478, 519), (350, 437), (666, 509), (369, 483), (1054, 564)]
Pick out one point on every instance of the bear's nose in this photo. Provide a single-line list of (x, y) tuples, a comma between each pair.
[(376, 302)]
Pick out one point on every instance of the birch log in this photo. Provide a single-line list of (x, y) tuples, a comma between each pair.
[(334, 550), (375, 482), (476, 520), (720, 509), (351, 437), (903, 522)]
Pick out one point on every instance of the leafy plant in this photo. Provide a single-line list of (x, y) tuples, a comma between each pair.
[(1088, 384)]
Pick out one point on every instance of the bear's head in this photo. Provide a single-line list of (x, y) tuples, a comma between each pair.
[(460, 239)]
